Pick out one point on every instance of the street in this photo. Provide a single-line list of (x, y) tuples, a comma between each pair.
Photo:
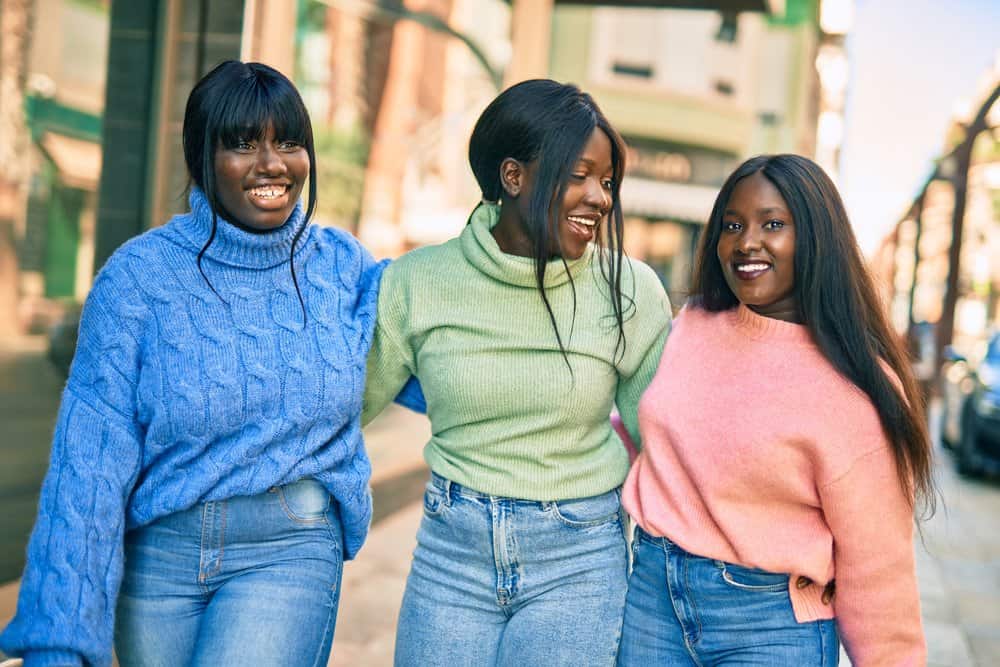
[(958, 561)]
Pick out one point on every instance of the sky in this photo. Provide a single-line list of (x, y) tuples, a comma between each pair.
[(911, 62)]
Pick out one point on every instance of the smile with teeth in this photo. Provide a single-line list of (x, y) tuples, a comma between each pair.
[(269, 191), (750, 268), (588, 222)]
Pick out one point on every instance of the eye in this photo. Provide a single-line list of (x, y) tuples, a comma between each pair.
[(243, 145), (578, 176), (774, 225), (730, 226), (608, 184), (289, 145)]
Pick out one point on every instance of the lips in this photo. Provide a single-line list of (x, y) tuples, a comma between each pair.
[(269, 195), (584, 226), (751, 270)]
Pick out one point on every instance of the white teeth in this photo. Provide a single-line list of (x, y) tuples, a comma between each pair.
[(752, 267), (268, 191), (582, 221)]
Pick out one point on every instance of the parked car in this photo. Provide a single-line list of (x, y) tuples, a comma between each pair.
[(970, 422)]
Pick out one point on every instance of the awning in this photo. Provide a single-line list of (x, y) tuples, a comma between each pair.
[(772, 7), (78, 161), (682, 202)]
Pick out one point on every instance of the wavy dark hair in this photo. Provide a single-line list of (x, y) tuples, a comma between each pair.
[(236, 102), (549, 123), (839, 304)]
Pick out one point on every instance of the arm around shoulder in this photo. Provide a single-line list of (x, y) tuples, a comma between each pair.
[(390, 360), (647, 327)]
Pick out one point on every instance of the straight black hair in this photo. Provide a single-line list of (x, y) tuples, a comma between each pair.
[(549, 123), (837, 301), (236, 102)]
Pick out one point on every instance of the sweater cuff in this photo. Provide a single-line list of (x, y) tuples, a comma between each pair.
[(52, 658)]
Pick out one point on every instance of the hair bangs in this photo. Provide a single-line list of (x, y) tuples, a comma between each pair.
[(253, 106)]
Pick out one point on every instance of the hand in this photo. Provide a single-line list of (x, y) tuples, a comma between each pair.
[(829, 591)]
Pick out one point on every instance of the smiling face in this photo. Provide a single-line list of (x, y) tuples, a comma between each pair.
[(757, 248), (587, 199), (576, 219), (259, 180)]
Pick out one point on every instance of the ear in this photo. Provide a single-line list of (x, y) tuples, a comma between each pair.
[(512, 176)]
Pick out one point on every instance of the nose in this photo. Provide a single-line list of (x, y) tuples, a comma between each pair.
[(749, 241), (269, 159), (597, 196)]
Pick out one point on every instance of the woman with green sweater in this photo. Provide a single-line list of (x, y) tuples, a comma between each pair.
[(524, 332)]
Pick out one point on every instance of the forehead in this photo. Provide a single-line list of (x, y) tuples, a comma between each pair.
[(755, 192), (597, 150)]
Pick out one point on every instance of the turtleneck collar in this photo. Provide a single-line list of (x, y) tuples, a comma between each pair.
[(481, 250), (235, 246), (760, 327)]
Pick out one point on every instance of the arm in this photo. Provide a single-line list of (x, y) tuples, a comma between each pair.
[(877, 602), (649, 335), (390, 361), (65, 611)]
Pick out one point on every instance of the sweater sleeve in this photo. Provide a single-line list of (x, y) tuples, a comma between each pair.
[(649, 334), (65, 610), (877, 602), (390, 361)]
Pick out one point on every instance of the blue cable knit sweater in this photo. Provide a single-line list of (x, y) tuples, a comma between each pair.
[(177, 396)]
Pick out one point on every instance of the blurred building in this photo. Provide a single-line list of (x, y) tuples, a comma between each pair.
[(62, 98), (394, 88), (941, 262), (693, 93)]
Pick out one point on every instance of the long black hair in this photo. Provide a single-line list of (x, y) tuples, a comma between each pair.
[(236, 102), (549, 123), (838, 303)]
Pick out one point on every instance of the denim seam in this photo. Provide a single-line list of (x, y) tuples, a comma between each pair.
[(331, 618), (694, 607), (822, 645), (673, 603)]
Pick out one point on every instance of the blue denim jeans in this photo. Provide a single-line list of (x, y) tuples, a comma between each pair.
[(684, 609), (499, 581), (252, 580)]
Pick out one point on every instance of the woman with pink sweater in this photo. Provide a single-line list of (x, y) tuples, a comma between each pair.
[(783, 448)]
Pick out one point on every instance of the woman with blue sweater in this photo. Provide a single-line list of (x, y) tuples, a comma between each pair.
[(207, 476)]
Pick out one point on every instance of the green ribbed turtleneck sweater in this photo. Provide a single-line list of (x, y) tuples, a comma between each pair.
[(507, 418)]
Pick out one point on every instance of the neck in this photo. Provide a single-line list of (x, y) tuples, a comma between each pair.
[(782, 310), (510, 234)]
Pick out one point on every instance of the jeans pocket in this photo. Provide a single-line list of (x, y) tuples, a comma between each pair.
[(305, 501), (752, 579), (434, 500), (588, 512)]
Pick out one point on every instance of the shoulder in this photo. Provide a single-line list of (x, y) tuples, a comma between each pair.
[(137, 261), (428, 260), (642, 276), (335, 236)]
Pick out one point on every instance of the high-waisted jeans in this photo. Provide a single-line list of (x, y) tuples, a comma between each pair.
[(684, 609), (252, 580), (500, 581)]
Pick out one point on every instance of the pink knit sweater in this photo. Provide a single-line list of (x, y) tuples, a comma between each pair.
[(756, 451)]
